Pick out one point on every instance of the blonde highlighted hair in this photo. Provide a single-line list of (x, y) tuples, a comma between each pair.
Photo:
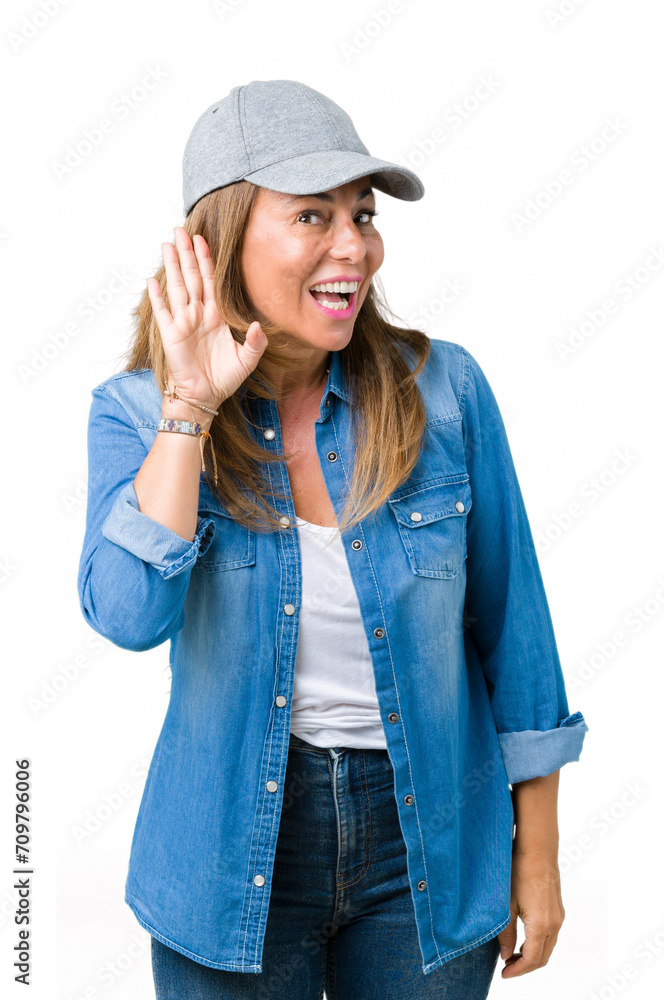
[(380, 365)]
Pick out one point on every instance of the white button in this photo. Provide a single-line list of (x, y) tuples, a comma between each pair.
[(272, 786), (269, 433), (280, 700), (259, 880), (459, 506), (289, 609), (285, 521), (416, 516)]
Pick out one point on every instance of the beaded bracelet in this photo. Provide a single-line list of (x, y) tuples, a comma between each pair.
[(190, 426)]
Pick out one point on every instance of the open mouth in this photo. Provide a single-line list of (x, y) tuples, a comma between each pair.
[(338, 303)]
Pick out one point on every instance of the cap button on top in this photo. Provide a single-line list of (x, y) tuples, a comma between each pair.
[(416, 516), (269, 433), (459, 506)]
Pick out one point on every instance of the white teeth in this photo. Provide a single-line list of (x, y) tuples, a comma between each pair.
[(336, 286), (338, 306)]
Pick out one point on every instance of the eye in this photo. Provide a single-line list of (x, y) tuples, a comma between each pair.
[(367, 211), (303, 214)]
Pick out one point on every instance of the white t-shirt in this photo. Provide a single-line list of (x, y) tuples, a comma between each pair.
[(334, 690)]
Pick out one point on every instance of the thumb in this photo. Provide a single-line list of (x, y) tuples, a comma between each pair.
[(507, 938), (255, 342)]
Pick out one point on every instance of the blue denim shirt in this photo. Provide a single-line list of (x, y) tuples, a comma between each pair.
[(468, 678)]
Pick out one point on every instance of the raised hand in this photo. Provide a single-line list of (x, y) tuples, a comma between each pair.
[(203, 358)]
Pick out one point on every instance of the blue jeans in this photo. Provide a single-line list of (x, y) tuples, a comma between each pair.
[(341, 915)]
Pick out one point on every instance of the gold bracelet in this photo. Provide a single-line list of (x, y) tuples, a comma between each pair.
[(200, 406), (175, 426)]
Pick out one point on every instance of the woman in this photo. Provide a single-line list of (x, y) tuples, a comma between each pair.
[(319, 509)]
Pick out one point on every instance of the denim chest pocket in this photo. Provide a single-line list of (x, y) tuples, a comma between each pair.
[(233, 545), (431, 518)]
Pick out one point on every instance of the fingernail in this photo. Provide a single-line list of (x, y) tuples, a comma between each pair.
[(504, 951)]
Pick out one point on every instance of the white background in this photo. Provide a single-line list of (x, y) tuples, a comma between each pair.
[(556, 85)]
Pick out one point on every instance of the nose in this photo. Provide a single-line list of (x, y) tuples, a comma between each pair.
[(347, 243)]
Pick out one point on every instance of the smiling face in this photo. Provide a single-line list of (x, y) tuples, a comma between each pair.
[(295, 242)]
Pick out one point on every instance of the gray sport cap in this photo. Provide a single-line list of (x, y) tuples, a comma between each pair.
[(283, 135)]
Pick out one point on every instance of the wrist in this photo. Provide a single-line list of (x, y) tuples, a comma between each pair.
[(176, 409), (546, 847)]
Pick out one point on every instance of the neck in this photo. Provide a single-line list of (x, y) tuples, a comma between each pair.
[(309, 378)]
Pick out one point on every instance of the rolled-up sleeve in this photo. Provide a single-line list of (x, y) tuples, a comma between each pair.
[(165, 550), (507, 613), (133, 572)]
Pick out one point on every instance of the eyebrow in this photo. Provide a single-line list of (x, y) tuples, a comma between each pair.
[(326, 197)]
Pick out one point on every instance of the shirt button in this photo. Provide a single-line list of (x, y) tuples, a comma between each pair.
[(327, 402), (393, 717), (421, 885), (379, 633), (269, 433), (459, 506), (272, 786), (416, 516), (408, 799), (289, 609), (285, 521), (332, 456), (280, 700), (259, 880), (356, 543)]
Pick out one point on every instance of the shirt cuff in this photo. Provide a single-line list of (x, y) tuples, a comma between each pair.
[(532, 753), (152, 541)]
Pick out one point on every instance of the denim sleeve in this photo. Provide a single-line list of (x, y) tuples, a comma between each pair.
[(507, 613), (134, 572)]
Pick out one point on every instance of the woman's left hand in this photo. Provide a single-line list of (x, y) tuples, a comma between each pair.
[(537, 901)]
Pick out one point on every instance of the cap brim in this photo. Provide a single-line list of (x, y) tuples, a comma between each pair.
[(310, 173)]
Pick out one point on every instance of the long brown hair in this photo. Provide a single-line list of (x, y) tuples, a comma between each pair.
[(388, 412)]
